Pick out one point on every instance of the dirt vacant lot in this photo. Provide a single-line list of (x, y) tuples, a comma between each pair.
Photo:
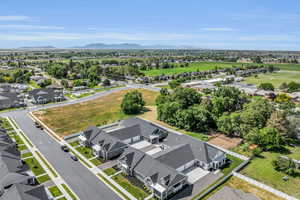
[(73, 118), (224, 141)]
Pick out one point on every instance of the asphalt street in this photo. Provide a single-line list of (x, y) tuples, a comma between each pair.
[(85, 184)]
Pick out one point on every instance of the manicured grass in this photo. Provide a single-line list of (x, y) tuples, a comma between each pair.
[(55, 191), (43, 179), (74, 144), (239, 184), (69, 191), (113, 186), (234, 163), (35, 166), (85, 151), (202, 66), (110, 171), (65, 120), (18, 139), (135, 191), (262, 170), (22, 147), (199, 136), (193, 67), (163, 86), (34, 84), (47, 164), (276, 78), (25, 155), (96, 161), (63, 198)]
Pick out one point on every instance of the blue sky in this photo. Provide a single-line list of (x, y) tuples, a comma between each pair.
[(222, 24)]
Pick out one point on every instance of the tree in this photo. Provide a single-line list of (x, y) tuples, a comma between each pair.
[(283, 86), (267, 138), (278, 120), (186, 97), (266, 86), (174, 84), (45, 83), (284, 164), (133, 103), (293, 87), (166, 112), (106, 82), (230, 124), (193, 119), (227, 99)]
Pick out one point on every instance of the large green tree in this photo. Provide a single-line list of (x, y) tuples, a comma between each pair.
[(132, 103)]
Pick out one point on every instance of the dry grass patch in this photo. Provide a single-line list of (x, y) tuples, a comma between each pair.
[(73, 118), (224, 141)]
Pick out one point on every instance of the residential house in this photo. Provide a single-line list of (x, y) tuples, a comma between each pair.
[(46, 95), (11, 100)]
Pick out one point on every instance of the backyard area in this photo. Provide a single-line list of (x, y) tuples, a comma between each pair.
[(73, 118), (276, 78), (262, 170)]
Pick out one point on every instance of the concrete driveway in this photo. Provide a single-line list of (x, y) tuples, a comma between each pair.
[(196, 174), (141, 144)]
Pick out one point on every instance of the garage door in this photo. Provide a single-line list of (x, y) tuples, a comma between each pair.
[(136, 139), (189, 164), (127, 141)]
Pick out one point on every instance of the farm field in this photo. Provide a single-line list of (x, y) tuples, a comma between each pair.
[(202, 66), (262, 170), (73, 118), (276, 78)]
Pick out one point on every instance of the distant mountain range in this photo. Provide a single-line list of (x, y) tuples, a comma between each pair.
[(116, 46), (38, 47)]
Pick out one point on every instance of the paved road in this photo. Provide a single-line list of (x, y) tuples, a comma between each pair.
[(86, 185)]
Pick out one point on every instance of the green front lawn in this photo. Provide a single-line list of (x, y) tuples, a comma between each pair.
[(69, 191), (22, 147), (63, 198), (96, 161), (55, 191), (43, 179), (110, 171), (18, 139), (35, 166), (25, 155), (234, 163), (135, 191), (262, 170), (74, 144), (85, 151)]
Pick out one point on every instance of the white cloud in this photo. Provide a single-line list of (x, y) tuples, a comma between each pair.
[(15, 18), (29, 27), (220, 29), (269, 38)]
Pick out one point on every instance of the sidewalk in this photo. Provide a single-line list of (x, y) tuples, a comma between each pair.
[(95, 170), (54, 177)]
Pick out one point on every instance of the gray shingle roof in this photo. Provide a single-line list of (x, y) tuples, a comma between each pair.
[(108, 142), (127, 132), (176, 156), (91, 132), (25, 192)]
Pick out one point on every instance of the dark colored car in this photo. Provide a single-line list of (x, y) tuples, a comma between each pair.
[(64, 148), (74, 157)]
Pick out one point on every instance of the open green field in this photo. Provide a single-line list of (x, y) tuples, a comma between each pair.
[(73, 118), (262, 170), (276, 78), (202, 66)]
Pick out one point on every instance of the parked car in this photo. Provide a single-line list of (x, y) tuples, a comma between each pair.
[(73, 157), (38, 125), (64, 148)]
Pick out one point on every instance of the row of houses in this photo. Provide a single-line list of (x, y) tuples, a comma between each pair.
[(17, 182), (36, 96), (163, 169)]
